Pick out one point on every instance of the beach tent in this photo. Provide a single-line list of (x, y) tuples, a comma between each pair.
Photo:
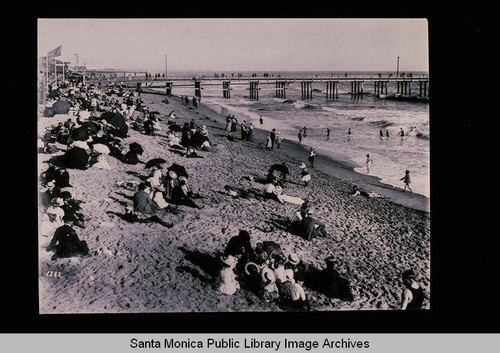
[(61, 107), (118, 122)]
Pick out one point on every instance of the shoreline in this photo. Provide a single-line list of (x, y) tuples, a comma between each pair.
[(335, 167)]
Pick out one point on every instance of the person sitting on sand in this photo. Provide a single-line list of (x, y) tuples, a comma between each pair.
[(182, 194), (50, 193), (298, 216), (312, 228), (240, 247), (269, 289), (273, 191), (412, 296), (226, 281), (292, 294), (304, 174), (65, 243), (52, 219), (142, 200)]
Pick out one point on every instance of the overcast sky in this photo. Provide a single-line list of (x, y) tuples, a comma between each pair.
[(232, 45)]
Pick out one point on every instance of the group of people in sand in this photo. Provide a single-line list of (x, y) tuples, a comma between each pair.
[(274, 276)]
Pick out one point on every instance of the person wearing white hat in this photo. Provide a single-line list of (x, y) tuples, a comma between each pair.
[(226, 281), (53, 217)]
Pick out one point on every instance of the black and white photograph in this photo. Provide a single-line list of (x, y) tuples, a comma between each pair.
[(222, 165)]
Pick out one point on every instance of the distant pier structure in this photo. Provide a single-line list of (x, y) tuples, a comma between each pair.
[(397, 87)]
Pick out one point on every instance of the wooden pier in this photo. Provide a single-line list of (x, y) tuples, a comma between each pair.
[(400, 87)]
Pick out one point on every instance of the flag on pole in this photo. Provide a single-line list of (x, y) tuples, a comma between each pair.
[(54, 53)]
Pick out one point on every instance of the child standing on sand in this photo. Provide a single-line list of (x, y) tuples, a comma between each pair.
[(406, 180), (368, 161)]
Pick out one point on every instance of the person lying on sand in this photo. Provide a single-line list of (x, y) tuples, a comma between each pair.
[(355, 191), (235, 191)]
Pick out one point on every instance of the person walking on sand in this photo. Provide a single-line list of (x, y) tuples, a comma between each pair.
[(349, 131), (327, 133), (305, 131), (406, 180), (278, 140), (368, 161), (300, 135), (269, 142), (312, 154), (273, 138), (412, 296)]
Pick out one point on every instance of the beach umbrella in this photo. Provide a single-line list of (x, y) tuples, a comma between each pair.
[(271, 248), (175, 128), (76, 158), (154, 162), (178, 169), (61, 107), (92, 127), (49, 112), (117, 121), (80, 133), (136, 148)]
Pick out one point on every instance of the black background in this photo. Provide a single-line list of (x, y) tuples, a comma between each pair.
[(463, 263)]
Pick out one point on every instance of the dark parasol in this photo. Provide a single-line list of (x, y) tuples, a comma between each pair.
[(136, 148), (154, 162), (179, 170)]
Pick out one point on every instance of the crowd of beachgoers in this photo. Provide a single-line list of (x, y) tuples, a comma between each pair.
[(155, 203)]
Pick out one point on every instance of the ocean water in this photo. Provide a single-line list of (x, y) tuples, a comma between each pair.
[(364, 115)]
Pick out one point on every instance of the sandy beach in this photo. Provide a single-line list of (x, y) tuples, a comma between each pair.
[(148, 268)]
